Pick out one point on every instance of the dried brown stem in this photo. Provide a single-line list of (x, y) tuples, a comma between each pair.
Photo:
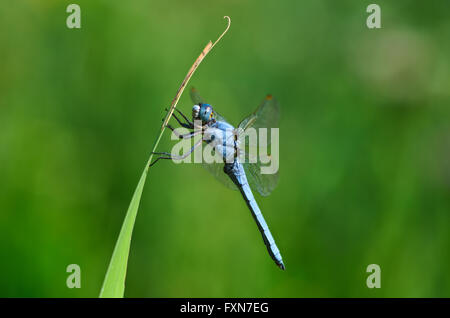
[(197, 62)]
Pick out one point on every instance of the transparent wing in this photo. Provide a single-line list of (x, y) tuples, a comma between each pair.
[(259, 156), (197, 99), (216, 168), (263, 183), (267, 115), (219, 117), (261, 169)]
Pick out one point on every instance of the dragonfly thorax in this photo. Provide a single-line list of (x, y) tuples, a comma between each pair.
[(221, 137)]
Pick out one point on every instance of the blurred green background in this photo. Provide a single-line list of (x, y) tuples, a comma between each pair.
[(365, 146)]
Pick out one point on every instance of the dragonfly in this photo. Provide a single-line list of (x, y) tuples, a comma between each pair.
[(236, 174)]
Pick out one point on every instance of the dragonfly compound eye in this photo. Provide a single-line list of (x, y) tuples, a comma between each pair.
[(195, 111), (205, 112)]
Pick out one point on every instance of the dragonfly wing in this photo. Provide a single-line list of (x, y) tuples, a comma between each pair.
[(219, 117), (195, 97), (216, 169), (267, 115), (263, 183)]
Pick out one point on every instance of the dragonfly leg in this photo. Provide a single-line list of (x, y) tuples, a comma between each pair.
[(184, 136), (168, 155), (188, 123), (185, 118)]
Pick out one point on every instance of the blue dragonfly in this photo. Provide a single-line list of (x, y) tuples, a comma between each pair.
[(230, 170)]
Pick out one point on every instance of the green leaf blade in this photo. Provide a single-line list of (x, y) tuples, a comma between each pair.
[(114, 283)]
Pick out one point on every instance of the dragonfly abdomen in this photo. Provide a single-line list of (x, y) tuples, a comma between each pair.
[(236, 172)]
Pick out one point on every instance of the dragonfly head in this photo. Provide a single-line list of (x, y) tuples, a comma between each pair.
[(204, 112)]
